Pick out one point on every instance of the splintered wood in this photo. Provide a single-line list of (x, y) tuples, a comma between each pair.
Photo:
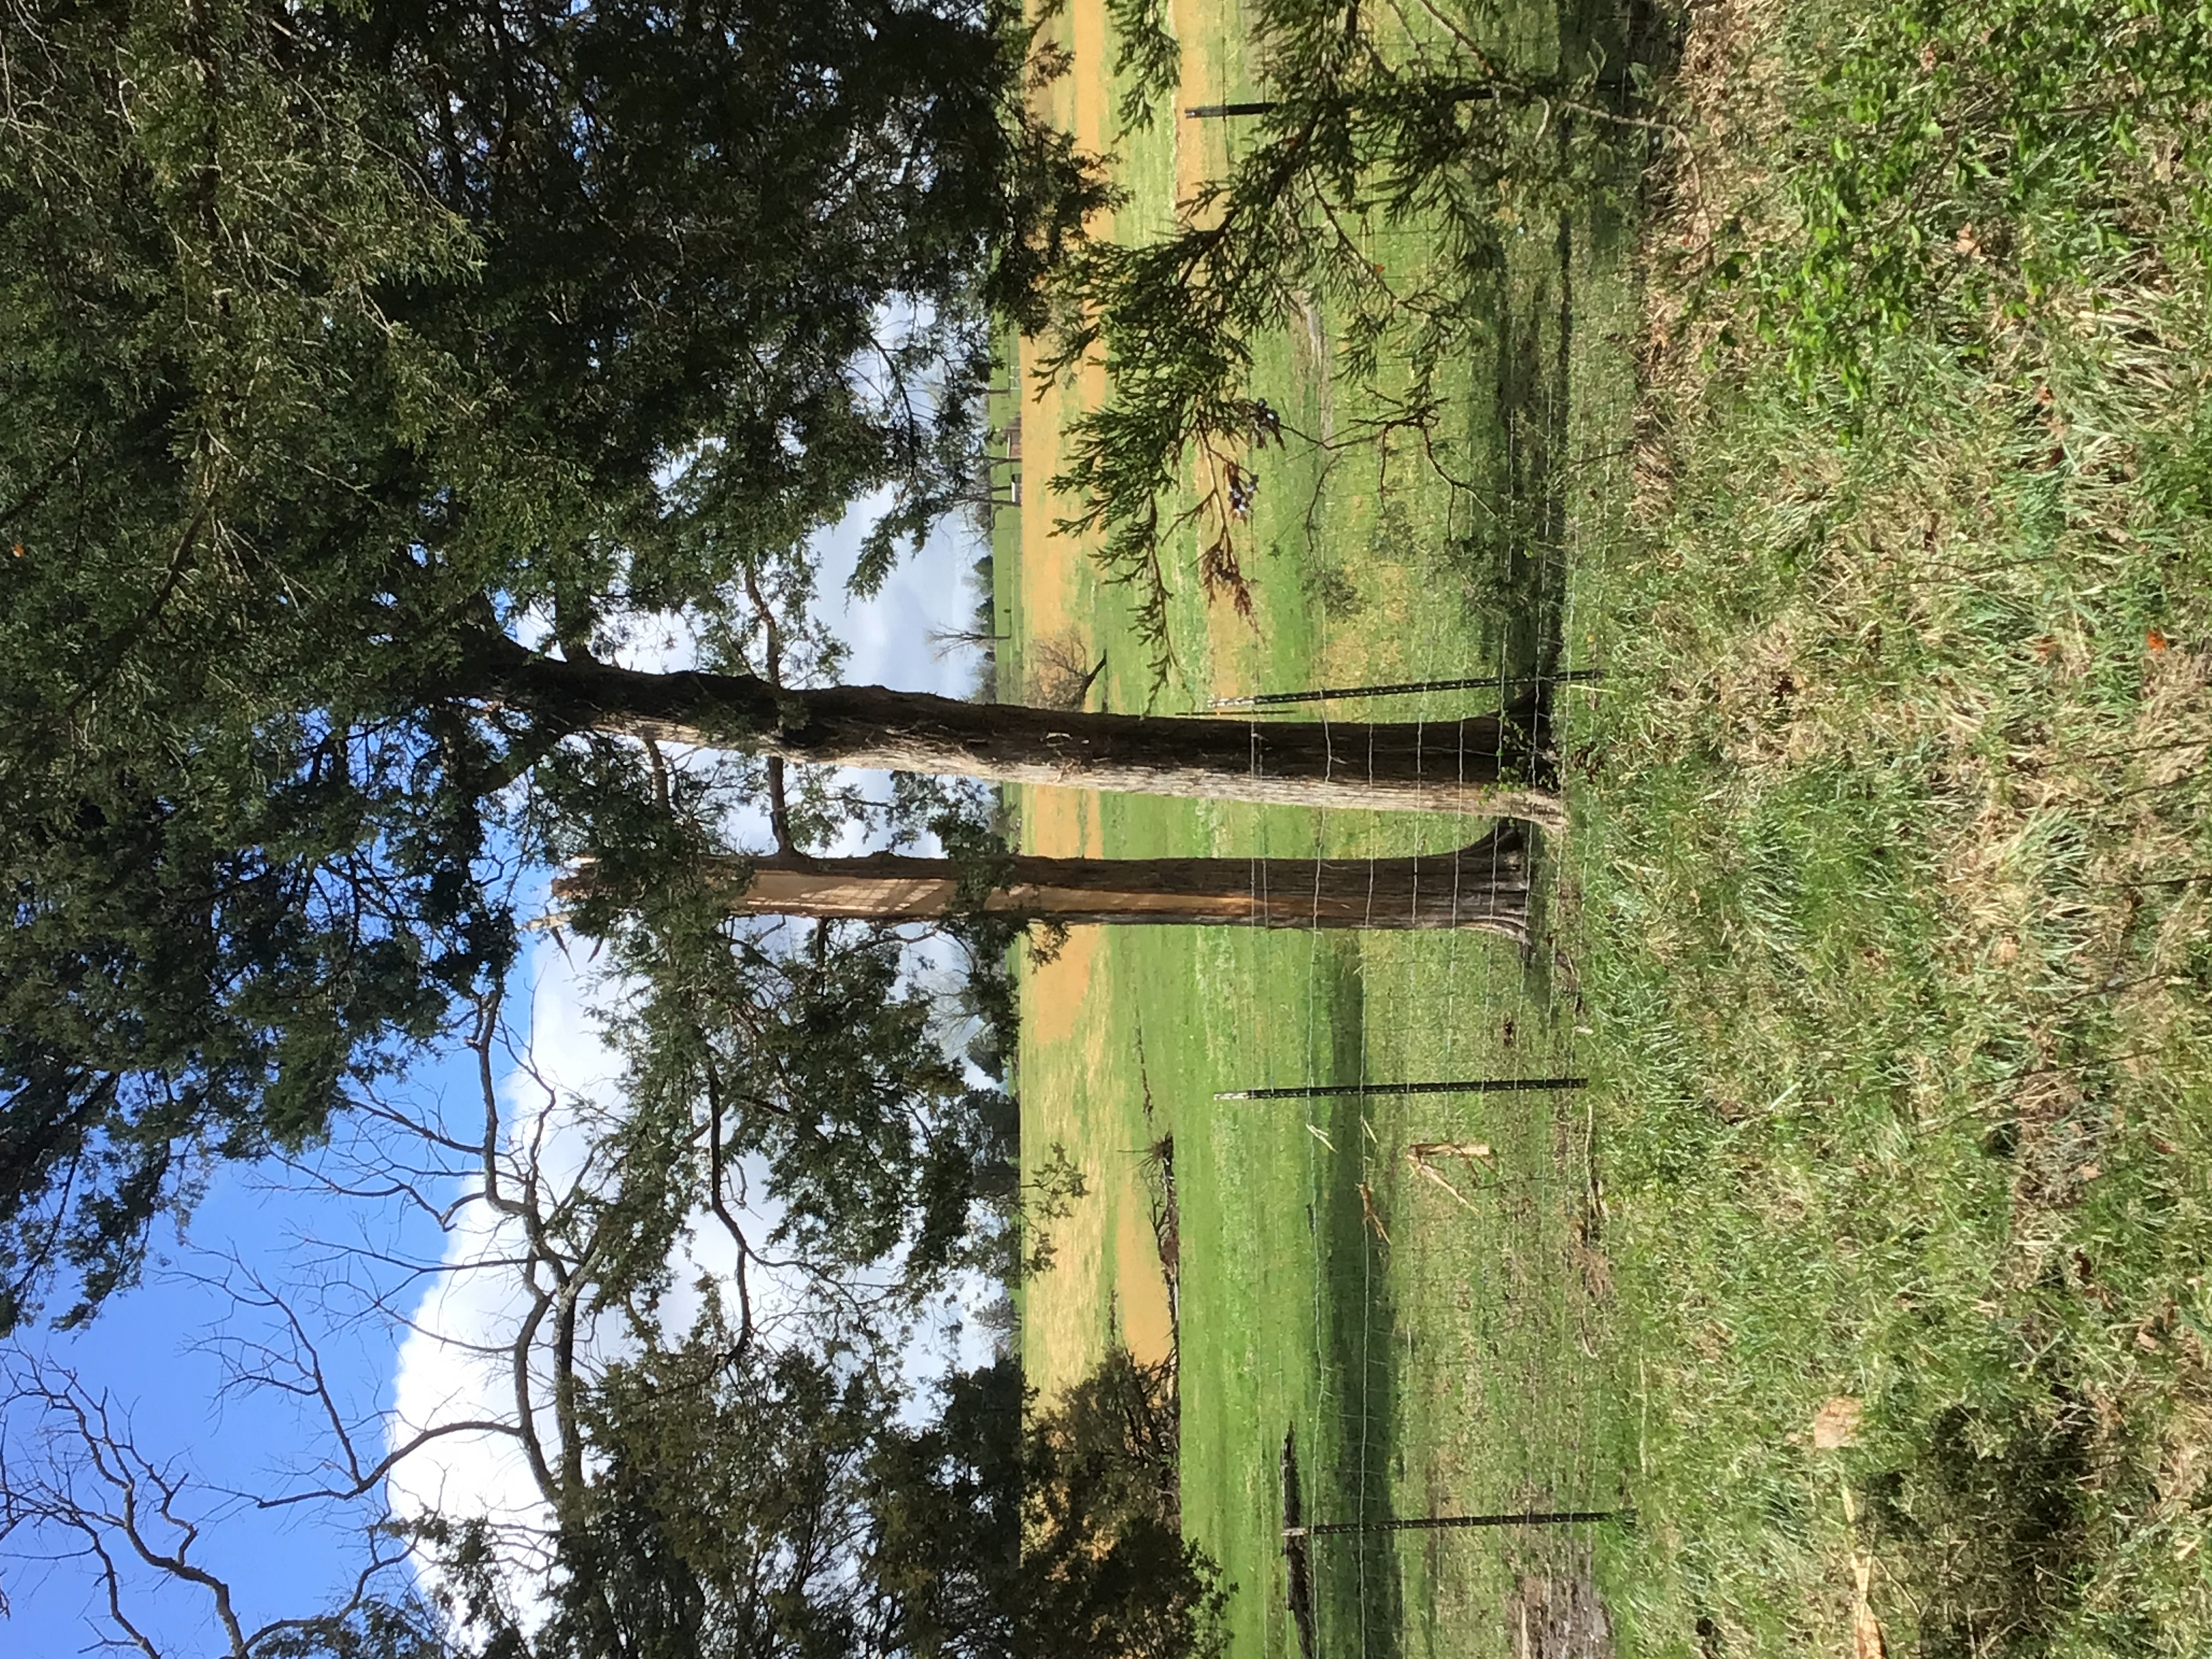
[(1475, 1154), (1367, 1204)]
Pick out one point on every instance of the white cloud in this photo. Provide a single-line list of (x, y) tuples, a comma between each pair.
[(457, 1365), (452, 1366), (925, 594)]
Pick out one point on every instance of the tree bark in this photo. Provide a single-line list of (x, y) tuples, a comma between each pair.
[(1484, 887), (1488, 766)]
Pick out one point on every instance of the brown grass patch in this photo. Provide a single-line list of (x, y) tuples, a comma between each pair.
[(1558, 1616)]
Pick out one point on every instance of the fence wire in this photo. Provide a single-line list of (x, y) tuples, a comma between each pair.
[(1414, 1411)]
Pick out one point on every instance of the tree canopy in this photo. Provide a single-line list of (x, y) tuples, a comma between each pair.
[(736, 1464), (1369, 123), (335, 339), (373, 377)]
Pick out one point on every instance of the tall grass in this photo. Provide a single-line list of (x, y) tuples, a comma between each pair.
[(1898, 919)]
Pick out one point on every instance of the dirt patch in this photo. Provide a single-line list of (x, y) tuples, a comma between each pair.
[(1053, 993), (1559, 1617), (1140, 1289), (1054, 580), (1069, 1311), (1061, 822), (1106, 1284)]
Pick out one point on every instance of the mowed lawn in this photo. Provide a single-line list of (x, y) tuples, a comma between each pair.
[(1438, 1343)]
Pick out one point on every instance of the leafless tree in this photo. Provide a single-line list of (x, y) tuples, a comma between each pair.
[(1060, 673), (532, 1217)]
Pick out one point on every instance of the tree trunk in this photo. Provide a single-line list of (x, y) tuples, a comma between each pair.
[(1484, 886), (1486, 766)]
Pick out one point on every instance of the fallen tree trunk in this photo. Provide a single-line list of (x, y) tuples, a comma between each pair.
[(1484, 886)]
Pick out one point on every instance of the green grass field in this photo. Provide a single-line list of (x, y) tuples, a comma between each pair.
[(1872, 465), (1432, 1353)]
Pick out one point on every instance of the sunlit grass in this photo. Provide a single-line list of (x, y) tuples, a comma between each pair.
[(1899, 932)]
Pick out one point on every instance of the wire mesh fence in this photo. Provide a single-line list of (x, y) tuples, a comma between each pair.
[(1455, 1356), (1464, 1353)]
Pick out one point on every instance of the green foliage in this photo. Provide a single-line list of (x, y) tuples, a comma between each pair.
[(1103, 1541), (1053, 1183), (722, 1513), (738, 1503), (194, 354), (810, 1053), (1174, 318), (1048, 189), (1371, 135), (825, 1065), (1950, 163), (1061, 1534), (334, 341), (195, 968), (1148, 56), (946, 1501), (393, 1628)]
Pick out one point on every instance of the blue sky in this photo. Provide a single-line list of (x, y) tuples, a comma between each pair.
[(150, 1352)]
